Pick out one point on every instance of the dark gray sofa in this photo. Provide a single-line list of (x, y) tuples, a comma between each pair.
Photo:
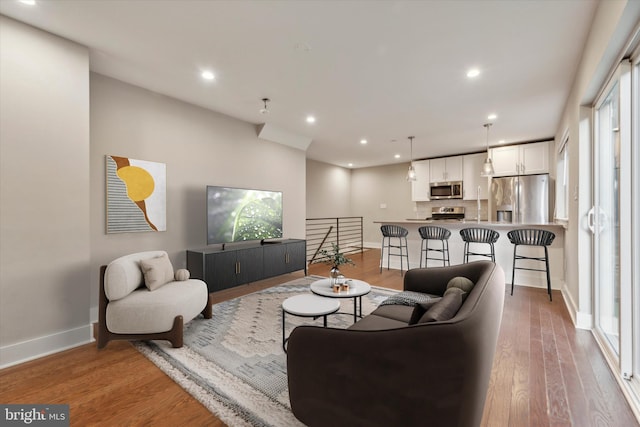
[(384, 372)]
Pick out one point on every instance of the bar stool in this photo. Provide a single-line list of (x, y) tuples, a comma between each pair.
[(479, 235), (390, 232), (531, 237), (433, 232)]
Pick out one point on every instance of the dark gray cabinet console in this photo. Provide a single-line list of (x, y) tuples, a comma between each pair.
[(237, 265)]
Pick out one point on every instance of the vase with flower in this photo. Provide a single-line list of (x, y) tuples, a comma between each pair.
[(335, 258)]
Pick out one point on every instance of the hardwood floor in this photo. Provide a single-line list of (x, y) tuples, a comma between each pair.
[(545, 373)]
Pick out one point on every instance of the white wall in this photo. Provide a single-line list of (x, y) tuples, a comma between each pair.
[(375, 187), (612, 25), (335, 191), (328, 190), (200, 148), (52, 182), (44, 193)]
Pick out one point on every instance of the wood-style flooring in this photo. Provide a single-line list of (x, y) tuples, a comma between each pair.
[(545, 373)]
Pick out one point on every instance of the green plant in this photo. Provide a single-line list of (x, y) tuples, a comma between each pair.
[(334, 257)]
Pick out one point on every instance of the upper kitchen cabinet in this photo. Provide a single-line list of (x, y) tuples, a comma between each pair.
[(523, 159), (446, 169), (471, 169), (420, 187)]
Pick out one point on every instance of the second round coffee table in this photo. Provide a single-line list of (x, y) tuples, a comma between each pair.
[(357, 288), (307, 305)]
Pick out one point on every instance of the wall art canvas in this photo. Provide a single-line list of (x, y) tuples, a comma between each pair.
[(136, 195)]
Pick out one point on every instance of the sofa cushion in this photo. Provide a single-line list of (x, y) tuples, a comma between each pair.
[(461, 282), (144, 312), (157, 271), (375, 323), (396, 312), (420, 309), (444, 309)]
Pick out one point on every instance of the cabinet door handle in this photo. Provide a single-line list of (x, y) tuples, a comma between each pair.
[(237, 267)]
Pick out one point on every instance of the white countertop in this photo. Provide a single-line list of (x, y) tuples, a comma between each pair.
[(467, 223)]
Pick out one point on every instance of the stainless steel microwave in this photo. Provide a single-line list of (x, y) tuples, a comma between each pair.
[(445, 190)]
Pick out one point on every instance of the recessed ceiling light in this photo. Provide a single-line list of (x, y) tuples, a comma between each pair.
[(397, 156), (473, 72), (492, 116), (28, 2), (502, 141), (208, 75), (311, 119), (363, 141), (350, 164)]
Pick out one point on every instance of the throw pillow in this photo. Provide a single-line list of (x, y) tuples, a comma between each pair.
[(157, 271), (462, 293), (420, 309), (461, 282), (182, 274), (444, 309)]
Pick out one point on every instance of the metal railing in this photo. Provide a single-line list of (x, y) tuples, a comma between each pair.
[(346, 232)]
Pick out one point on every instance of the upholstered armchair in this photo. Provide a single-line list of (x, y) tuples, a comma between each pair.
[(142, 298)]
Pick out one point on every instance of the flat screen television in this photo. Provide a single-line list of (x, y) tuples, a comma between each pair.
[(240, 214)]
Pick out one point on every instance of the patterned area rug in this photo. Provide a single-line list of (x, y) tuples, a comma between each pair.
[(234, 363)]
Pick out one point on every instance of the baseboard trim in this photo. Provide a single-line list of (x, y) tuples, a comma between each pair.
[(36, 348), (580, 320)]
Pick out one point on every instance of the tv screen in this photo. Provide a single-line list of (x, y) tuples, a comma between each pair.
[(240, 214)]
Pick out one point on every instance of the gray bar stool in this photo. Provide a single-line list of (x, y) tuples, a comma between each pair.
[(394, 232), (531, 237), (433, 232), (479, 235)]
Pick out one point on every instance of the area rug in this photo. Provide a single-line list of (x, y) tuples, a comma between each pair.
[(234, 363)]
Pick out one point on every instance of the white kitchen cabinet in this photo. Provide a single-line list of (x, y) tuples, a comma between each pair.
[(534, 158), (523, 159), (446, 169), (471, 169), (420, 187)]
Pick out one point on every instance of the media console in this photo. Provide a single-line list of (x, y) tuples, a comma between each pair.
[(237, 265)]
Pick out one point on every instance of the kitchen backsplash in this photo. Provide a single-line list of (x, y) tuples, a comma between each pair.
[(423, 209)]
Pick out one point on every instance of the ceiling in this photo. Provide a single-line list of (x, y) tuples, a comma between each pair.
[(374, 70)]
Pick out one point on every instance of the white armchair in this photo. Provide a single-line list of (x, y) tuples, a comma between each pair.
[(142, 299)]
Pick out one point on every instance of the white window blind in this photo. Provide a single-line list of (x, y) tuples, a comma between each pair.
[(562, 182)]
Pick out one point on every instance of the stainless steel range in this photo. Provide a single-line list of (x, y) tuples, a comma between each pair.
[(450, 213)]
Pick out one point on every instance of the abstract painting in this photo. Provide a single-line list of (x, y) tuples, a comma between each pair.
[(136, 195)]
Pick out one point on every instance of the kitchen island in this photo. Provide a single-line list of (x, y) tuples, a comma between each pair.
[(503, 248)]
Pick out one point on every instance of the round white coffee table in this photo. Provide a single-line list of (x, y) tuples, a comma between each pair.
[(307, 305), (357, 288)]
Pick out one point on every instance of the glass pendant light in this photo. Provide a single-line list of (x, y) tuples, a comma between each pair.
[(487, 167), (411, 173)]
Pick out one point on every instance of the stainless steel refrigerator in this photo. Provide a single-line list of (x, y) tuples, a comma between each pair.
[(520, 199)]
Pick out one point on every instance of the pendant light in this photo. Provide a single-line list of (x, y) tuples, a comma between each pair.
[(265, 110), (487, 167), (411, 173)]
